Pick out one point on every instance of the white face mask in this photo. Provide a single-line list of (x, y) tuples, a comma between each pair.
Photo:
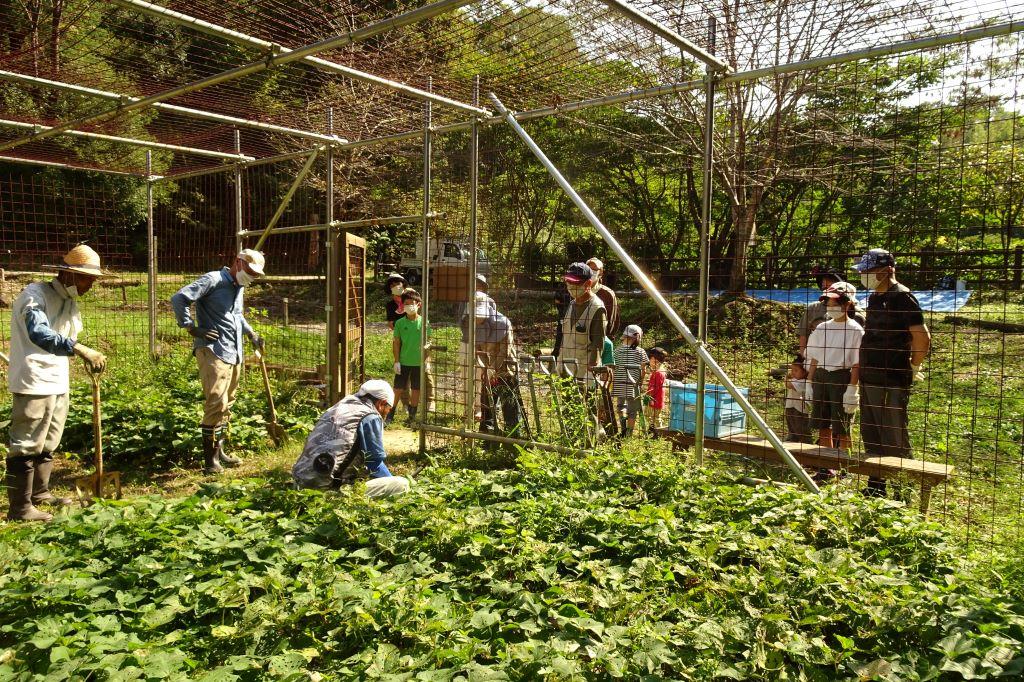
[(834, 312), (397, 290), (869, 280), (411, 308), (244, 279), (576, 290)]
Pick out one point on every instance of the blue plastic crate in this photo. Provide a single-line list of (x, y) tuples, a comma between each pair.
[(722, 415)]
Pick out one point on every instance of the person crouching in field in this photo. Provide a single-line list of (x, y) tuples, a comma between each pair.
[(347, 443), (217, 330), (627, 386), (833, 350), (45, 324)]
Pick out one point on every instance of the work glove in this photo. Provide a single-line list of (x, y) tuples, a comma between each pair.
[(851, 399), (809, 392), (918, 375), (94, 360), (258, 342), (204, 333), (397, 367)]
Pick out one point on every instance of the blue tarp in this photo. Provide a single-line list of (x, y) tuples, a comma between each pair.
[(936, 301)]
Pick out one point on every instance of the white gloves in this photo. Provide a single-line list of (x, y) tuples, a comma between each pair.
[(918, 375), (397, 367), (851, 399), (809, 392)]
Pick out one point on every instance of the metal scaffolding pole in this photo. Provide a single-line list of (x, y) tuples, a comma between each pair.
[(667, 34), (150, 256), (332, 243), (69, 166), (318, 62), (162, 106), (656, 295), (705, 247), (424, 403), (239, 216), (474, 242), (272, 59), (135, 142)]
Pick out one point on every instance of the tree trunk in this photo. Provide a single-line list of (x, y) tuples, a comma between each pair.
[(744, 230)]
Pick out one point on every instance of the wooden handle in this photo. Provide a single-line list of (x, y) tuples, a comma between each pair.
[(266, 386), (97, 432)]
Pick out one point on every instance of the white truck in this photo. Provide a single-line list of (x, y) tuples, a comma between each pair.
[(442, 252)]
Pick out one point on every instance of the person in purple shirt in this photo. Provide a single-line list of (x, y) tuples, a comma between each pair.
[(217, 329)]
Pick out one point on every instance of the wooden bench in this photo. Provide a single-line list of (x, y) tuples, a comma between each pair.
[(122, 284), (928, 474)]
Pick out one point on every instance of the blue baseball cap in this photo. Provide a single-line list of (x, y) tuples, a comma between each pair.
[(577, 273), (875, 258)]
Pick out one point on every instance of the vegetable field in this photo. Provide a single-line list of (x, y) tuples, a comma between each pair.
[(624, 566)]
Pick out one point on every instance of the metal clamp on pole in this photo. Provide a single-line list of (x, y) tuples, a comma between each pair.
[(660, 300)]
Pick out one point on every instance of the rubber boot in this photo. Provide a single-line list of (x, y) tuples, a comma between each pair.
[(20, 472), (412, 412), (875, 488), (222, 441), (211, 461), (41, 483)]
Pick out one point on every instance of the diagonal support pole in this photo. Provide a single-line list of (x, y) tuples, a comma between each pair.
[(673, 38), (662, 304), (274, 58), (283, 206)]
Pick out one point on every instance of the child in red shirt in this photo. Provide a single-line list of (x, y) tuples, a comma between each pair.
[(656, 386)]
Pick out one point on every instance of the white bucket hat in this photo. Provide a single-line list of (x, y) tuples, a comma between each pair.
[(254, 259)]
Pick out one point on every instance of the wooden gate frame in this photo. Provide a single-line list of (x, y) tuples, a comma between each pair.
[(352, 304)]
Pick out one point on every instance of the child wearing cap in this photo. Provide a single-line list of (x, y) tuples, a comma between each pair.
[(655, 397), (627, 386), (408, 353), (833, 350), (797, 425)]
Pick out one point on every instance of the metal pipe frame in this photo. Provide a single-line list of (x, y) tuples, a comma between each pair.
[(150, 257), (283, 206), (332, 242), (427, 150), (477, 435), (163, 106), (474, 237), (660, 300), (70, 166), (135, 142), (664, 32), (320, 63), (705, 247), (273, 59), (344, 224), (239, 217)]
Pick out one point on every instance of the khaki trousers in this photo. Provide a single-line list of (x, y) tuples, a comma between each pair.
[(220, 384), (37, 423)]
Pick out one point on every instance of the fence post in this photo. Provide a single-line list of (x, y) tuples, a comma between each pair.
[(334, 253), (1018, 266), (151, 256)]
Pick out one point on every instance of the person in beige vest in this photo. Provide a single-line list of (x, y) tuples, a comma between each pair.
[(607, 296), (583, 325), (45, 324)]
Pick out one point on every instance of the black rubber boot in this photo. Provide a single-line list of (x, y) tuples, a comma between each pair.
[(211, 461), (41, 483), (20, 472), (222, 455)]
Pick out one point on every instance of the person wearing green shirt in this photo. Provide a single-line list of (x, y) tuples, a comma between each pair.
[(408, 353)]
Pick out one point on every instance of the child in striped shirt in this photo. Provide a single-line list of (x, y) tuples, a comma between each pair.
[(627, 385)]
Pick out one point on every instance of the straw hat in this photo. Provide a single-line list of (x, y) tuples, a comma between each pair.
[(81, 259)]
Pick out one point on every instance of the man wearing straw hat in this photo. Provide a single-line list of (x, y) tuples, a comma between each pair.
[(45, 324), (217, 330)]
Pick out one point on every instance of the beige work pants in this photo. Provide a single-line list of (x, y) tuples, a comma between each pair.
[(220, 384)]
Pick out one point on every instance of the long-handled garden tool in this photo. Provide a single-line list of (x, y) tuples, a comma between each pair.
[(93, 484), (512, 370), (603, 377), (274, 430)]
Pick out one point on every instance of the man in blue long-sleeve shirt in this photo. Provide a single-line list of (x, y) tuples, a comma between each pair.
[(217, 330), (348, 441), (45, 324)]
